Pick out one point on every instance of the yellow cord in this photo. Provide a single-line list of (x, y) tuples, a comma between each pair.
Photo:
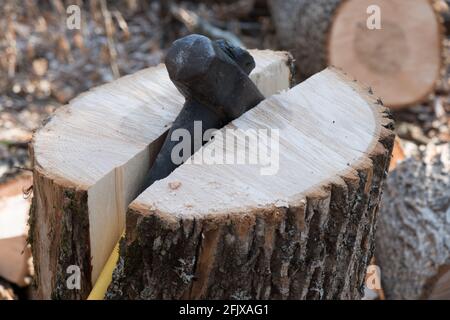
[(105, 278)]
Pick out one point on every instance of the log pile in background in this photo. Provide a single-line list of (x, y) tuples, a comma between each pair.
[(15, 254), (413, 236)]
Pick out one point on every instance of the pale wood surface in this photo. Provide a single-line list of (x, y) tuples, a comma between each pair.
[(325, 130), (402, 60), (413, 236)]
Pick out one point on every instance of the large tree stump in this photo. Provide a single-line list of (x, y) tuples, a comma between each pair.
[(402, 61), (413, 238), (90, 160), (305, 232)]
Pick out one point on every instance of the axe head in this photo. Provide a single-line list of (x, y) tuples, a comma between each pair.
[(213, 73)]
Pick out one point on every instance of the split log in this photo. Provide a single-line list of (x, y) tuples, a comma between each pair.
[(402, 61), (89, 162), (413, 238), (304, 232)]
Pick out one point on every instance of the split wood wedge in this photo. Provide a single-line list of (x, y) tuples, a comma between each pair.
[(299, 226), (90, 160)]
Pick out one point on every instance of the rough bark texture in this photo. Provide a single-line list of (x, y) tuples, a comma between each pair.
[(317, 247), (59, 220), (285, 16), (314, 21), (413, 240)]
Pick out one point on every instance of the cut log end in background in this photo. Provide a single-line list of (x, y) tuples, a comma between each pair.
[(89, 163), (306, 232), (402, 61)]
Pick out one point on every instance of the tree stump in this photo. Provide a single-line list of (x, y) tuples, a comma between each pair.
[(413, 238), (227, 231), (90, 160), (402, 60)]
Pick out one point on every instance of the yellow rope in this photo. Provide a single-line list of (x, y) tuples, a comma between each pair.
[(105, 278)]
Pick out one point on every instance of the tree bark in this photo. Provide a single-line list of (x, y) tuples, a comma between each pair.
[(413, 239), (89, 161), (311, 33), (285, 17)]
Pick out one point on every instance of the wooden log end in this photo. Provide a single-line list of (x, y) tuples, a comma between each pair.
[(413, 232)]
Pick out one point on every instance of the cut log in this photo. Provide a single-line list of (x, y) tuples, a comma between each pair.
[(402, 61), (15, 255), (413, 238), (90, 160), (231, 232)]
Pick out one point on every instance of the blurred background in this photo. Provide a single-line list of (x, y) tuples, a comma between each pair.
[(43, 65)]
